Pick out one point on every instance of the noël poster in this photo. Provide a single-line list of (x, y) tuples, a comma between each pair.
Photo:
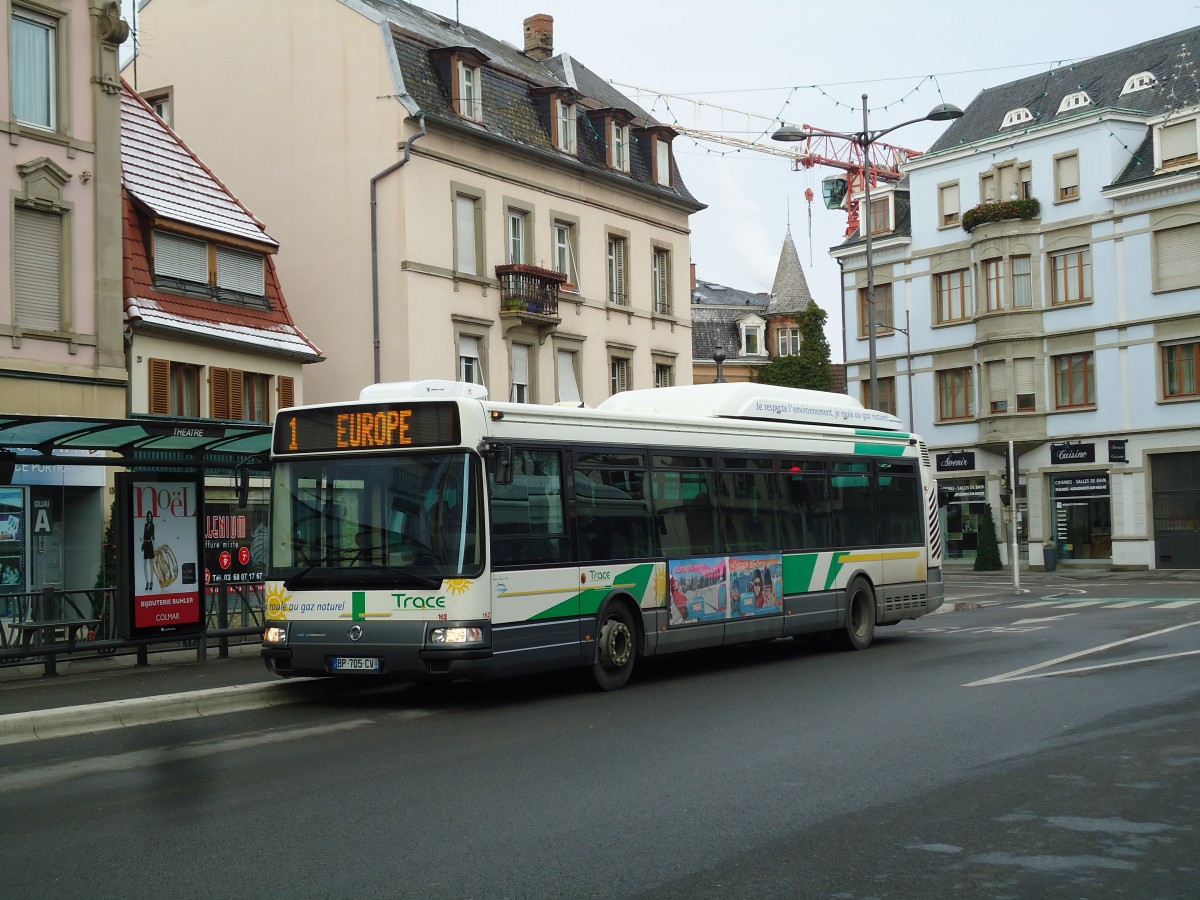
[(164, 523)]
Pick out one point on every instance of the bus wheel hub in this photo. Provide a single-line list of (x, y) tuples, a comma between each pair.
[(616, 643)]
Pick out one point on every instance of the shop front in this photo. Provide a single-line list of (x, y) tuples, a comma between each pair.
[(1080, 506), (966, 503)]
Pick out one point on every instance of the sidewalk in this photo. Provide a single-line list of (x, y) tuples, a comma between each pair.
[(98, 693)]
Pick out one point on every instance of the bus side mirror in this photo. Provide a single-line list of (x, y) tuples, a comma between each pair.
[(500, 455)]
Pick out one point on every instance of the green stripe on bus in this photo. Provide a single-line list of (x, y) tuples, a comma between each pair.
[(587, 602), (879, 449), (358, 605), (835, 567), (870, 432), (798, 569)]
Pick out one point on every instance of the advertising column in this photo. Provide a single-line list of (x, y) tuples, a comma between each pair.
[(162, 537)]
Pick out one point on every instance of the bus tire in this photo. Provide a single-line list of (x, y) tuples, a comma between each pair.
[(616, 646), (859, 630)]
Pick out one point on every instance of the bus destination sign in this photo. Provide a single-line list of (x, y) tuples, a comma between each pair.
[(366, 426)]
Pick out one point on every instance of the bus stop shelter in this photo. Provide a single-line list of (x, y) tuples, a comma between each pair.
[(61, 483)]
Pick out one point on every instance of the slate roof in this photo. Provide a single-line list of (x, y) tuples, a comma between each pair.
[(716, 312), (510, 109), (789, 291), (163, 180), (1103, 77)]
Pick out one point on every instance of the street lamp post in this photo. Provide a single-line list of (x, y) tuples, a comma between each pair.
[(943, 112), (719, 358)]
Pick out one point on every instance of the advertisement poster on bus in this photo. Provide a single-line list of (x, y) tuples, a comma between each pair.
[(163, 513), (698, 591), (756, 585), (235, 544)]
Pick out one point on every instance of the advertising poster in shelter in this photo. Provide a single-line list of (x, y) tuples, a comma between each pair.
[(163, 515), (235, 544)]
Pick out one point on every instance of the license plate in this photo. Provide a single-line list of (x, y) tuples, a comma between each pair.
[(356, 664)]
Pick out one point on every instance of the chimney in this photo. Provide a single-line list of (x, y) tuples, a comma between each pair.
[(693, 276), (539, 36)]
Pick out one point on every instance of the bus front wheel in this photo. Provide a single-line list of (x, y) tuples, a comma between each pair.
[(616, 647), (859, 629)]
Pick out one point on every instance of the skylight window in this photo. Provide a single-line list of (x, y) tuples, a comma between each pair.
[(1139, 82), (1074, 101), (1017, 116)]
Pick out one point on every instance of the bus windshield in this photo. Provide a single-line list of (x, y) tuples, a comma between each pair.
[(378, 520)]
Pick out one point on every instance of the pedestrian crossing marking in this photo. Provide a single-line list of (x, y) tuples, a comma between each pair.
[(1177, 604)]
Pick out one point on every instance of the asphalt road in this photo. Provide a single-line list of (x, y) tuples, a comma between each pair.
[(1037, 748)]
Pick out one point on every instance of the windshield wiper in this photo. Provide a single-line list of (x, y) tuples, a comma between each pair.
[(357, 574)]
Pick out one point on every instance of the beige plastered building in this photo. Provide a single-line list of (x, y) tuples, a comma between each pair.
[(402, 158)]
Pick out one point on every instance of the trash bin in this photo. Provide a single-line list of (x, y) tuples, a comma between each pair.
[(1049, 558)]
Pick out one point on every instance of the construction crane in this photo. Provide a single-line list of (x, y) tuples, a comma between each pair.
[(720, 125)]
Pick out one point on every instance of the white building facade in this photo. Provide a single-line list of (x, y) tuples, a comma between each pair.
[(1066, 320)]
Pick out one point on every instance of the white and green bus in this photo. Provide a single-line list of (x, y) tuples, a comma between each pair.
[(426, 532)]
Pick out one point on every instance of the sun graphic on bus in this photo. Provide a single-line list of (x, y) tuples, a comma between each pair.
[(660, 582), (277, 601), (457, 586)]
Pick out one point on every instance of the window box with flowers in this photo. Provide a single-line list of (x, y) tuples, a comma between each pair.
[(1000, 211)]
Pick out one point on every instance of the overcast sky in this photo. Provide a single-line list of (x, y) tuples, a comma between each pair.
[(806, 62)]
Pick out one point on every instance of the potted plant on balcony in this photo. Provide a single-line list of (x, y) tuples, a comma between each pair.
[(999, 211)]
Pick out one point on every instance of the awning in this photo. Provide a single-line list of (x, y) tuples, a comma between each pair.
[(142, 442)]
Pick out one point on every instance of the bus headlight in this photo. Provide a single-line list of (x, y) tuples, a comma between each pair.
[(275, 634), (458, 635)]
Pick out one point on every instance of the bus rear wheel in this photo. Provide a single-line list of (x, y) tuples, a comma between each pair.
[(616, 647), (859, 629)]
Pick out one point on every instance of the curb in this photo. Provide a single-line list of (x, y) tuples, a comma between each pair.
[(68, 721)]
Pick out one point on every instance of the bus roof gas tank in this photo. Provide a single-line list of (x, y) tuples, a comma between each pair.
[(746, 400), (430, 389)]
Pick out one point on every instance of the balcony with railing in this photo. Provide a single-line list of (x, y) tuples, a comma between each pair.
[(529, 294)]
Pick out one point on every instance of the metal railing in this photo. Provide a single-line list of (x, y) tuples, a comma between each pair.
[(82, 624)]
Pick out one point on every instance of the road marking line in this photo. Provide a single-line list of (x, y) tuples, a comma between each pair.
[(1041, 619), (1109, 665), (1176, 604), (1029, 605), (1014, 675), (1124, 604), (1074, 603)]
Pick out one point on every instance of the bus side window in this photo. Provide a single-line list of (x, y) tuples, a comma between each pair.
[(528, 516)]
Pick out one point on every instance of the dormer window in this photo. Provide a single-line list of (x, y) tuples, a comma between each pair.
[(1018, 116), (880, 214), (194, 266), (461, 70), (662, 161), (470, 104), (1175, 144), (1074, 101), (752, 330), (618, 146), (1139, 82), (564, 124)]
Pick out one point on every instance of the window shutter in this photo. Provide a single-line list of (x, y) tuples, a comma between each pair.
[(241, 271), (568, 387), (997, 382), (218, 393), (1177, 257), (464, 224), (37, 269), (620, 256), (1023, 370), (287, 391), (1008, 182), (1068, 176), (520, 366), (237, 394), (160, 387), (1178, 141), (180, 257), (950, 203), (987, 188)]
